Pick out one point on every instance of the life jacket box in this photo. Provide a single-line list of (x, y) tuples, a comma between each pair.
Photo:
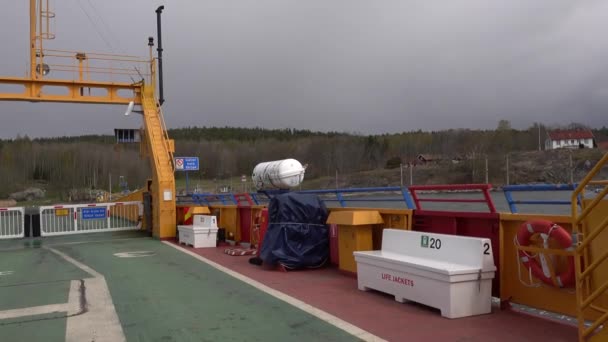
[(197, 237), (204, 221), (447, 272)]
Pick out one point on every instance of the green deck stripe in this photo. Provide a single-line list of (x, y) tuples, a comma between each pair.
[(171, 296)]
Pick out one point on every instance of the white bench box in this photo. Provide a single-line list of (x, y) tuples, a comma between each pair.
[(197, 237), (448, 272)]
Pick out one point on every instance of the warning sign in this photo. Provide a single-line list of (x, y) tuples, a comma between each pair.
[(186, 164), (61, 212), (179, 163)]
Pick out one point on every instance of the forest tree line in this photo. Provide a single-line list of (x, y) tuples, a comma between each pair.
[(65, 163)]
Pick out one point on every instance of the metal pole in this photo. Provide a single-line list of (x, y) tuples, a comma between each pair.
[(539, 136), (186, 182), (571, 170), (33, 58), (336, 178), (411, 174), (110, 185), (487, 176), (401, 170), (161, 99), (41, 57), (507, 169)]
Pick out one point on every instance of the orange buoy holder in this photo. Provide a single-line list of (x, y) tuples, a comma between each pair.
[(546, 229)]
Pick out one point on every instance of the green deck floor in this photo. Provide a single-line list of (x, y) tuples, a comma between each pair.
[(168, 296)]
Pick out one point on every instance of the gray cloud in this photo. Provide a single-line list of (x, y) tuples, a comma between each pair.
[(345, 65)]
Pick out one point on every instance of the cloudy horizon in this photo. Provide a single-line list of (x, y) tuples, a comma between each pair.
[(341, 65)]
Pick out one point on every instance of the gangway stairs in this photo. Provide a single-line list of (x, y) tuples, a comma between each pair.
[(160, 148)]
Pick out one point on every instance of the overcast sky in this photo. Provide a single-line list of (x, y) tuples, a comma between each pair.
[(367, 66)]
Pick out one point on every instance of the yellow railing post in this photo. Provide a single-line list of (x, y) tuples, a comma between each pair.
[(585, 295)]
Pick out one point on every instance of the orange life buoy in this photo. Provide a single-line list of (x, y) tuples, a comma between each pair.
[(546, 229)]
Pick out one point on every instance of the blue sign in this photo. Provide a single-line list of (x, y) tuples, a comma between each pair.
[(186, 164), (93, 213)]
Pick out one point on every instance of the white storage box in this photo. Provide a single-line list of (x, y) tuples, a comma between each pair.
[(204, 221), (197, 237), (448, 272)]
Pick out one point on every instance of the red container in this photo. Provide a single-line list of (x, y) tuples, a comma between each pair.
[(334, 256), (245, 220)]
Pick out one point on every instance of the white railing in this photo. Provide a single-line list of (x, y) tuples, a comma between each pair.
[(12, 223), (90, 218)]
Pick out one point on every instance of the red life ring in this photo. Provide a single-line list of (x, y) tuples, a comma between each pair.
[(547, 229)]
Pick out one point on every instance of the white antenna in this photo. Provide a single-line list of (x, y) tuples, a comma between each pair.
[(129, 108)]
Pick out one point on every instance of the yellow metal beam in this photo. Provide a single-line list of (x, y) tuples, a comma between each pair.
[(33, 91)]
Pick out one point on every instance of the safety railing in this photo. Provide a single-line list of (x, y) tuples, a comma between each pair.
[(87, 218), (342, 197), (484, 188), (244, 199), (166, 139), (156, 133), (509, 189), (81, 65), (12, 223), (586, 292), (258, 198), (209, 199)]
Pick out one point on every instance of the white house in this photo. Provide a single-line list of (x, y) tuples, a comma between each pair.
[(580, 138)]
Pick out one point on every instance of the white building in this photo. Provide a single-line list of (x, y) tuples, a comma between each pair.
[(580, 138), (127, 135)]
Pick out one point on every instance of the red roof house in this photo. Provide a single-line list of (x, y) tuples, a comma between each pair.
[(579, 138)]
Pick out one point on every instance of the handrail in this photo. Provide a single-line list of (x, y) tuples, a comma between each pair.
[(588, 178), (95, 53), (208, 198), (406, 197), (254, 197), (583, 286), (165, 134), (591, 206), (244, 196), (507, 189), (485, 189), (149, 132)]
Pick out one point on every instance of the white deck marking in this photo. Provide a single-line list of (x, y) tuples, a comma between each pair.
[(134, 254), (322, 315), (5, 273), (34, 310), (71, 307), (100, 322), (75, 263), (93, 241)]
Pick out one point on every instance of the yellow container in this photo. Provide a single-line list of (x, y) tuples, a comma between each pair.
[(355, 229)]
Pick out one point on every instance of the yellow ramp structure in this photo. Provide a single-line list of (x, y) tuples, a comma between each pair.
[(161, 149)]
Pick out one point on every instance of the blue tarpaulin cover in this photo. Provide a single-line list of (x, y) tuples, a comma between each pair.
[(297, 236)]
